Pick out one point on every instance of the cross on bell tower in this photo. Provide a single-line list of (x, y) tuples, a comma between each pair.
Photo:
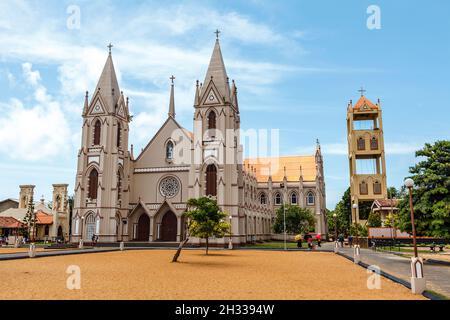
[(217, 32), (362, 91)]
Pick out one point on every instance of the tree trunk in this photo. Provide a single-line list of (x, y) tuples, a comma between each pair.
[(206, 246), (180, 247)]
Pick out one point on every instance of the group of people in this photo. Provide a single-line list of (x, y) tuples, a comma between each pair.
[(308, 238)]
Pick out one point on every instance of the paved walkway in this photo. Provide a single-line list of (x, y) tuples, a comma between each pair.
[(437, 277)]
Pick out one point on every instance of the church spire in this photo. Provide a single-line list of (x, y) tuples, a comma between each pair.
[(172, 99), (86, 103), (107, 84), (217, 72)]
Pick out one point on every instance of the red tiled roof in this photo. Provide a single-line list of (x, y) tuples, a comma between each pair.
[(10, 223), (43, 218), (363, 101), (386, 203)]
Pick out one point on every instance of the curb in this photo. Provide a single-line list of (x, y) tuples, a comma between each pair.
[(426, 294), (426, 261)]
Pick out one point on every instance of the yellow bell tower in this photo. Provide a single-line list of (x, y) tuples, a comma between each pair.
[(366, 154)]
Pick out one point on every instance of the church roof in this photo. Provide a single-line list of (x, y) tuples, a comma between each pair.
[(274, 166), (363, 101), (10, 223), (108, 82), (217, 71)]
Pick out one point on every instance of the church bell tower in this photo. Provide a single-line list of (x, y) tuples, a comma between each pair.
[(217, 153), (101, 189), (366, 155)]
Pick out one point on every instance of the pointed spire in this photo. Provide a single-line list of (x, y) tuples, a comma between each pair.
[(172, 99), (107, 84), (234, 99), (197, 94), (86, 103), (217, 72)]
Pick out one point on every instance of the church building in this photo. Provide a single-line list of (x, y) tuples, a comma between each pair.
[(120, 197)]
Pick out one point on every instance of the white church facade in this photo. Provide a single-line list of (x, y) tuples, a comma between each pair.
[(120, 197)]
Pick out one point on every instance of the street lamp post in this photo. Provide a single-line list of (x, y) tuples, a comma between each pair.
[(81, 237), (335, 233), (230, 243), (356, 247), (284, 217), (418, 283)]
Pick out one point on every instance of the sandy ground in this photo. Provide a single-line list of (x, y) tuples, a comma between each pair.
[(221, 275)]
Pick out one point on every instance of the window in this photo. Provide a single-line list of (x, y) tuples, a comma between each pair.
[(211, 180), (293, 198), (212, 120), (262, 198), (310, 199), (118, 135), (363, 188), (97, 132), (93, 184), (46, 230), (169, 150), (361, 144), (119, 185), (277, 198), (374, 143), (377, 187)]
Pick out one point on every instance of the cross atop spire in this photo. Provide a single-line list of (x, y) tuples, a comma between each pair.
[(172, 99), (217, 32), (362, 91)]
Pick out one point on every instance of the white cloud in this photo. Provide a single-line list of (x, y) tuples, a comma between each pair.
[(37, 132), (32, 77)]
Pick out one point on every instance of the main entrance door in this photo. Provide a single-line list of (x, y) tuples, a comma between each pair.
[(169, 227), (143, 228)]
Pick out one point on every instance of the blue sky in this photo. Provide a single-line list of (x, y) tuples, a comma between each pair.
[(296, 65)]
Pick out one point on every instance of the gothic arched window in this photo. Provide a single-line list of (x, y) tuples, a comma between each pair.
[(118, 135), (262, 198), (310, 199), (169, 150), (377, 187), (93, 184), (119, 185), (277, 198), (293, 198), (374, 143), (97, 132), (361, 144), (211, 180), (212, 120)]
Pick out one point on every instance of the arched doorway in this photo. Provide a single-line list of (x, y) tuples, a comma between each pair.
[(60, 232), (169, 227), (143, 228)]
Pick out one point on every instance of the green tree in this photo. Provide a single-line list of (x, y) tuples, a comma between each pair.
[(374, 220), (393, 193), (205, 220), (298, 220), (30, 219), (431, 193), (343, 211), (361, 229)]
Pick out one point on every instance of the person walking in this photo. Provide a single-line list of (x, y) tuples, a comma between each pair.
[(319, 239), (350, 241), (341, 240)]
